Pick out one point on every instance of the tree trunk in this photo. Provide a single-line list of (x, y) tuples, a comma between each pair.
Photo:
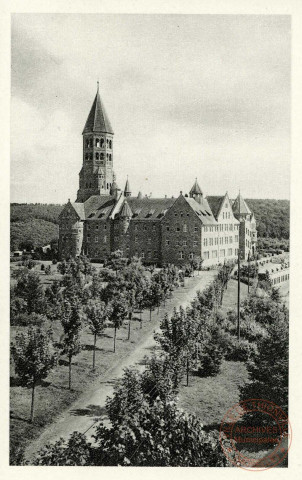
[(114, 339), (69, 379), (187, 371), (150, 313), (32, 401), (129, 326), (93, 360)]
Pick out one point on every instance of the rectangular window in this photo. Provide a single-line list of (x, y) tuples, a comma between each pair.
[(211, 242), (181, 255), (136, 239), (221, 240), (231, 239), (226, 227), (136, 227), (206, 255), (216, 240), (149, 239), (154, 227), (185, 228), (205, 242), (167, 242), (96, 239), (184, 243), (191, 256), (205, 229), (168, 227), (149, 254), (155, 254), (214, 254), (195, 228), (105, 239), (96, 227), (231, 227), (236, 238), (230, 252), (195, 243), (222, 253), (226, 240), (105, 227), (143, 255), (177, 228), (144, 228)]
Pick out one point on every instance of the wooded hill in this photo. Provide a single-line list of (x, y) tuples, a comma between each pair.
[(37, 224)]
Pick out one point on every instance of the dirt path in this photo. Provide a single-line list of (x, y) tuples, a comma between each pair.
[(90, 406)]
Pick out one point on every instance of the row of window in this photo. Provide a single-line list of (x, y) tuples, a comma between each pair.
[(98, 156), (222, 253), (181, 242), (96, 238), (103, 185), (226, 215), (99, 142), (222, 227), (220, 240), (283, 278)]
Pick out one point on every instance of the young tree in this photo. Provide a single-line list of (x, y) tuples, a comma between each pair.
[(96, 315), (71, 322), (117, 261), (118, 313), (34, 356), (30, 289)]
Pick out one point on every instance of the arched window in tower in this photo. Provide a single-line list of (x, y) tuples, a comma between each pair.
[(107, 141), (86, 156), (87, 142), (107, 186), (110, 144), (102, 156), (97, 156), (97, 142), (90, 142), (102, 142), (109, 156), (90, 156)]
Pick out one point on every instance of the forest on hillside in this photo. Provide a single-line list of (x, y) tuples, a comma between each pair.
[(35, 225)]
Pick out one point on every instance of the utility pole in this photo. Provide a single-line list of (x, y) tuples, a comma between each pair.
[(238, 299), (248, 273)]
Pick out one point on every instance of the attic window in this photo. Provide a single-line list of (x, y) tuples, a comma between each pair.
[(92, 215), (101, 214), (150, 213), (208, 213)]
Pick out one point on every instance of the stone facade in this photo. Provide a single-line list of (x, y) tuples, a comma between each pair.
[(159, 230)]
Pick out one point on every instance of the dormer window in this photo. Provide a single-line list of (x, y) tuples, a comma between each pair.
[(97, 142)]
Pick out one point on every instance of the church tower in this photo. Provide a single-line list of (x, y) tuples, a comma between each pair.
[(96, 175)]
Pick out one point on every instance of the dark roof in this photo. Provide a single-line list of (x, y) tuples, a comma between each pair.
[(99, 207), (215, 203), (98, 120), (126, 210), (196, 188), (240, 205), (202, 210), (149, 208)]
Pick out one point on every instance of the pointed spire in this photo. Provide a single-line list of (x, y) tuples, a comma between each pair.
[(195, 189), (240, 206), (98, 120), (127, 191)]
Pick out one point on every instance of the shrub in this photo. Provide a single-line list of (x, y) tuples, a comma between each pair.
[(26, 319), (240, 351)]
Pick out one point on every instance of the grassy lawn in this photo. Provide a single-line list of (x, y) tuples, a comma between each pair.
[(53, 396)]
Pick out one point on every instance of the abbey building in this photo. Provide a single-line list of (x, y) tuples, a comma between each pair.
[(105, 218)]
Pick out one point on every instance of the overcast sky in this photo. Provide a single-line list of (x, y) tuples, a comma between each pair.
[(204, 96)]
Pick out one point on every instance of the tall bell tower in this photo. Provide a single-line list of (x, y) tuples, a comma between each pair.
[(96, 175)]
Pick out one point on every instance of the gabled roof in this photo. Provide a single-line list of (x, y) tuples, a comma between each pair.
[(195, 189), (202, 210), (149, 208), (98, 120), (215, 203), (125, 210), (98, 207), (240, 206), (79, 208)]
